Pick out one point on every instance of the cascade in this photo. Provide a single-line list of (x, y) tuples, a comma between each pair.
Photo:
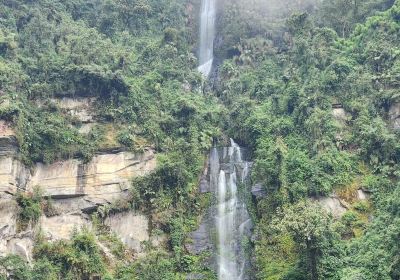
[(232, 220), (207, 33)]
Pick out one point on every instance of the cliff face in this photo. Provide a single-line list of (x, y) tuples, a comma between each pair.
[(75, 188)]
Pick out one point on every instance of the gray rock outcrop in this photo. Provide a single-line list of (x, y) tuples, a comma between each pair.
[(75, 188), (132, 228), (333, 204)]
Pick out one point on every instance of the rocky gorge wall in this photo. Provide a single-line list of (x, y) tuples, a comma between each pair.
[(75, 188)]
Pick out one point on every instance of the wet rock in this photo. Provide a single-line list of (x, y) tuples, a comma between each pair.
[(200, 240), (258, 191), (204, 186)]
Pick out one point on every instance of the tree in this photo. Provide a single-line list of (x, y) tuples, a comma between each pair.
[(311, 228)]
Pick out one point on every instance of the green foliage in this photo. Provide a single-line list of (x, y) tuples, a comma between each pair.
[(157, 266), (314, 109), (343, 15), (14, 268), (79, 258), (30, 207), (133, 56), (277, 93)]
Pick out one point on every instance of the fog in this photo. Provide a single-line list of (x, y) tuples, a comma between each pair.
[(270, 9)]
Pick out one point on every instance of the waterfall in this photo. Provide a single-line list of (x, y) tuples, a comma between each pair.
[(207, 33), (232, 219)]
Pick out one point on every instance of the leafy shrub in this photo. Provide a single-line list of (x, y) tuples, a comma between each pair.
[(361, 206), (30, 207)]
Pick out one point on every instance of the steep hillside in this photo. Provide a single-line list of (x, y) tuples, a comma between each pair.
[(94, 94), (321, 113), (105, 127)]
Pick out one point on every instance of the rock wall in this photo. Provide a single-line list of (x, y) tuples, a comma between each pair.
[(76, 189), (131, 228)]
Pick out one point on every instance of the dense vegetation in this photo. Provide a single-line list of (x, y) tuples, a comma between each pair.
[(279, 77), (281, 95), (134, 58)]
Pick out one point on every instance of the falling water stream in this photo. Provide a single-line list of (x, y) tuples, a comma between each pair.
[(227, 170), (232, 222), (207, 34)]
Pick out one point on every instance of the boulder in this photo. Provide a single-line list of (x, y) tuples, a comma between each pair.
[(132, 228)]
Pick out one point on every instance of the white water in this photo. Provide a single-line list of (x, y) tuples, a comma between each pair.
[(232, 219), (207, 33)]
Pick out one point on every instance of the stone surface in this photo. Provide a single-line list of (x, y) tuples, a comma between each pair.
[(258, 191), (6, 129), (8, 218), (80, 108), (8, 145), (362, 195), (200, 239), (340, 115), (159, 240), (86, 128), (131, 228), (13, 175), (21, 246), (11, 242), (100, 181), (76, 189), (333, 205), (74, 204), (62, 226)]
